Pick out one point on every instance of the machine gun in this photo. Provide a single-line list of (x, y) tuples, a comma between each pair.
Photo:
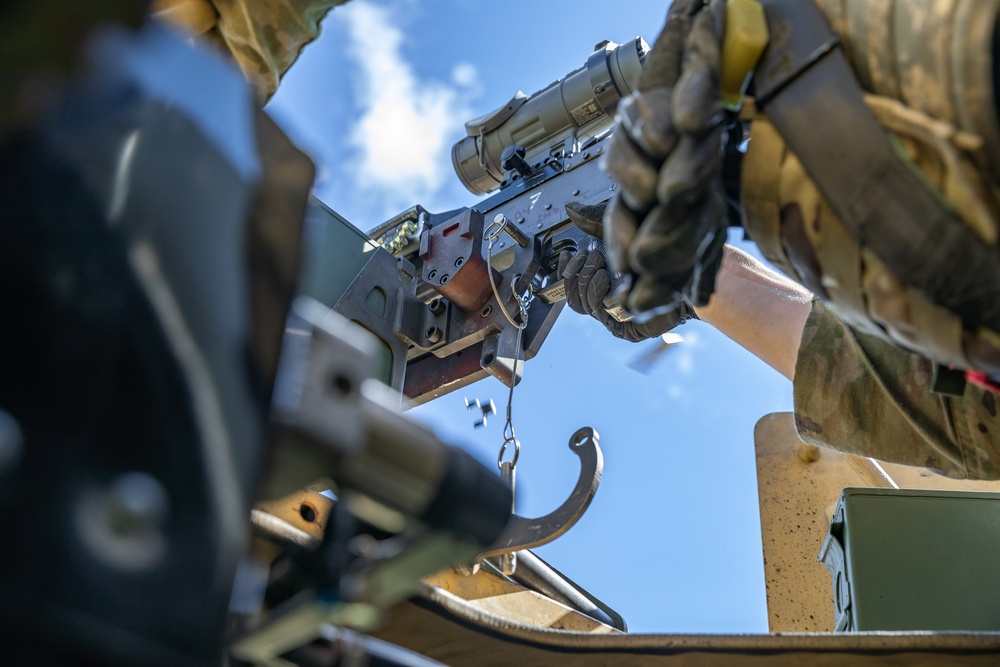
[(441, 291)]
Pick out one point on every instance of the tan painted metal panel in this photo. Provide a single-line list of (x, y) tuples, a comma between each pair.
[(798, 486)]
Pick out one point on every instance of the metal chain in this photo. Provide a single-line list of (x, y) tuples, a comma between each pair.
[(507, 563), (509, 437)]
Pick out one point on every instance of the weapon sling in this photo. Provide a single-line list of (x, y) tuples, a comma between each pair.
[(808, 90)]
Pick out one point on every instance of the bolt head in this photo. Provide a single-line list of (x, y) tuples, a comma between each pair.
[(123, 523), (136, 501)]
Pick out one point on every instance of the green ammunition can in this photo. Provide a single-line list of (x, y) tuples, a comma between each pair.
[(904, 559)]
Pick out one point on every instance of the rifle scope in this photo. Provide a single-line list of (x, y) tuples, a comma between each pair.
[(555, 118)]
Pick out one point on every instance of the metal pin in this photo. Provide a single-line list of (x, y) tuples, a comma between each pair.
[(507, 563), (513, 232)]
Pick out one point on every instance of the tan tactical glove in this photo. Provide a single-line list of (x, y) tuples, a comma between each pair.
[(666, 227), (588, 282)]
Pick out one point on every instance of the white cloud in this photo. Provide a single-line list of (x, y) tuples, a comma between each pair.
[(402, 136), (465, 74)]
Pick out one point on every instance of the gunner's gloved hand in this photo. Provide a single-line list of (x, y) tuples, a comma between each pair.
[(666, 226), (588, 282), (587, 287)]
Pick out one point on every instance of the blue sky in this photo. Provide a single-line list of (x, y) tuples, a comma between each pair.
[(672, 539)]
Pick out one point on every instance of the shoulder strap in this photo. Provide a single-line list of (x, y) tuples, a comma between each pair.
[(809, 92)]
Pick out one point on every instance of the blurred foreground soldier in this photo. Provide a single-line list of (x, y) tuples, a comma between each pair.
[(149, 238), (872, 177)]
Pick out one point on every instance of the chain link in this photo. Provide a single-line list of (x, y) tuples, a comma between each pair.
[(510, 438)]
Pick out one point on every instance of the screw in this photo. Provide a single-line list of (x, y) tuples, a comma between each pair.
[(436, 306), (576, 193), (136, 502), (539, 225), (431, 274), (548, 207), (808, 453), (459, 262), (520, 221), (444, 279), (123, 523), (434, 335)]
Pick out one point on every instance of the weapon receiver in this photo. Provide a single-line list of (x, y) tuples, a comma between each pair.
[(426, 293)]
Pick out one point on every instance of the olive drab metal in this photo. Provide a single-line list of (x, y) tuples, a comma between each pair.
[(928, 65)]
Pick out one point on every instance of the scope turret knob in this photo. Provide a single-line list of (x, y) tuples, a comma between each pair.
[(512, 159)]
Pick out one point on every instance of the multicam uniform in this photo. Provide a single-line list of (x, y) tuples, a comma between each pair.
[(263, 37), (857, 389), (859, 394)]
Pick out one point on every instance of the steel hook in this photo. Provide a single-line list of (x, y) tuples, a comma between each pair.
[(524, 533)]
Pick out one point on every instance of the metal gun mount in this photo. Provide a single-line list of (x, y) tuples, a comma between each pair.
[(431, 304), (424, 286)]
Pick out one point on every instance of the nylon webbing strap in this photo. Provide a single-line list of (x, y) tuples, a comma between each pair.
[(810, 94), (760, 177)]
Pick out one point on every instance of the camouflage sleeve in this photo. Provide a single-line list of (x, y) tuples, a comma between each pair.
[(859, 394), (266, 37)]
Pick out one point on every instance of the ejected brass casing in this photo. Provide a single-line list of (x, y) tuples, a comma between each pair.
[(936, 56)]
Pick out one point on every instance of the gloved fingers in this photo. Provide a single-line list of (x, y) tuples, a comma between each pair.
[(670, 132), (703, 284), (588, 217), (649, 293), (697, 103), (646, 118), (668, 242), (579, 274), (632, 170), (703, 280), (627, 331), (661, 324), (637, 330), (571, 282), (620, 226), (690, 168), (597, 290), (663, 64), (593, 265), (562, 262)]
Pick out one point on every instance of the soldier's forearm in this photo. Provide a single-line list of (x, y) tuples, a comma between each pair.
[(759, 309)]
